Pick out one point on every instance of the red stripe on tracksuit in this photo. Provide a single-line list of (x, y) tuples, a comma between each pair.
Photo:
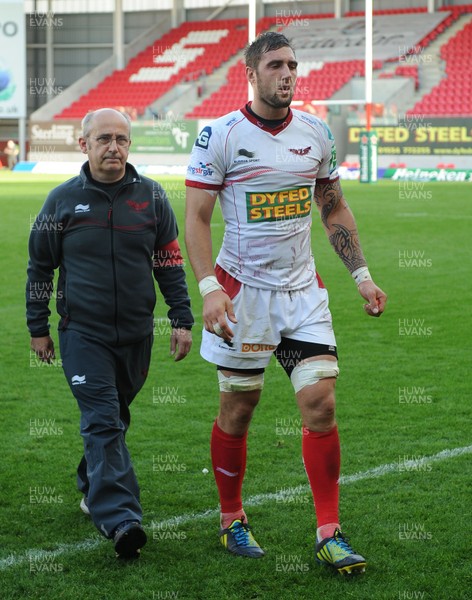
[(168, 255)]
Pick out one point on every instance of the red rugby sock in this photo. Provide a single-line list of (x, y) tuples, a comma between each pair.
[(228, 456), (322, 459)]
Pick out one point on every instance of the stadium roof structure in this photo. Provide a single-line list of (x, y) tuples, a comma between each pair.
[(90, 6), (337, 6)]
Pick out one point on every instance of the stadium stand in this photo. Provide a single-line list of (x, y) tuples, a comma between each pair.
[(318, 80), (183, 54), (200, 48), (229, 97), (321, 82), (452, 96)]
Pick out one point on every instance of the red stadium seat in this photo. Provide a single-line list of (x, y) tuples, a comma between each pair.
[(120, 89), (452, 96), (135, 87)]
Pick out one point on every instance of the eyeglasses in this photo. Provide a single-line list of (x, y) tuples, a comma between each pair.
[(107, 140)]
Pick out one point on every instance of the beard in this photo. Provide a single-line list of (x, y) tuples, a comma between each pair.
[(277, 102), (273, 99)]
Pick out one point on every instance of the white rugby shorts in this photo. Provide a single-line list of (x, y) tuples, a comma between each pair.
[(264, 317)]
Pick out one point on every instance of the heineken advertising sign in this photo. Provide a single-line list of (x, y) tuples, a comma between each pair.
[(404, 174)]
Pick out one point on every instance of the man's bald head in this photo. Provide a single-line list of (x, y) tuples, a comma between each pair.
[(88, 120), (106, 139)]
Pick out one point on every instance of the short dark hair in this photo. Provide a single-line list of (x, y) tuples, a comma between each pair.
[(265, 42)]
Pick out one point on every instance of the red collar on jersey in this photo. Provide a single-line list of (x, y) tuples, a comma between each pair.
[(274, 131)]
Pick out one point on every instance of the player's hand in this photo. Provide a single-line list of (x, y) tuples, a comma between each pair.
[(375, 297), (217, 306), (180, 343), (43, 347)]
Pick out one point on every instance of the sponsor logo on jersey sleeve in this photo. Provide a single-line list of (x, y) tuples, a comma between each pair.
[(203, 138), (203, 169), (333, 164), (283, 204)]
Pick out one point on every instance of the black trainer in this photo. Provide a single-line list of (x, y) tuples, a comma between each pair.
[(129, 537)]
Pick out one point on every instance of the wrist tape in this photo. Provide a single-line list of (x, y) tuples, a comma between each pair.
[(209, 284), (360, 275)]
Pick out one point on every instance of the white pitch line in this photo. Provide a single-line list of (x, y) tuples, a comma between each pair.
[(15, 560)]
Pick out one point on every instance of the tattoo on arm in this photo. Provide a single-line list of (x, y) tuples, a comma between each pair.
[(347, 247), (327, 198)]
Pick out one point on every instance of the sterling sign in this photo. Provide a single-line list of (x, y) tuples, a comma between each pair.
[(57, 136)]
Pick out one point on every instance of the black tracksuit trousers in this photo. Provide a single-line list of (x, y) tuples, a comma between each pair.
[(104, 380)]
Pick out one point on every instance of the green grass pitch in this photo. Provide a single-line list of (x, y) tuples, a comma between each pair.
[(403, 397)]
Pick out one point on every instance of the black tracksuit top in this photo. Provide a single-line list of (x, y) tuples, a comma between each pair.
[(106, 249)]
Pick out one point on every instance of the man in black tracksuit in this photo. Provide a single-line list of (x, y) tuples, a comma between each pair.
[(107, 231)]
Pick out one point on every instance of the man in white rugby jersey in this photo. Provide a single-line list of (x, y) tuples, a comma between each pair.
[(266, 163)]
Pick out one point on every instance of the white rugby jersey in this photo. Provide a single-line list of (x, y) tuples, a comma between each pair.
[(265, 180)]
